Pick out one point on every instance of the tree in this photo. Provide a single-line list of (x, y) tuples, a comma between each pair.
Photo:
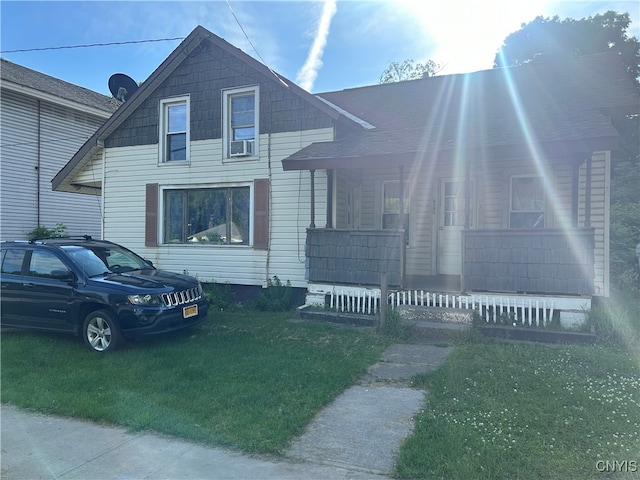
[(546, 38), (551, 37), (409, 70)]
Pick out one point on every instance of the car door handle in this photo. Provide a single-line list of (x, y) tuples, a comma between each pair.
[(28, 284)]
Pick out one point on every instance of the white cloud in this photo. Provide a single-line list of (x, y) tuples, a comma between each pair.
[(309, 71)]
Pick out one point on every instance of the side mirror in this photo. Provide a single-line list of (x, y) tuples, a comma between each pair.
[(63, 275)]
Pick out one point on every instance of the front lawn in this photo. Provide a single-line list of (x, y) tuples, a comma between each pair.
[(528, 411), (247, 380)]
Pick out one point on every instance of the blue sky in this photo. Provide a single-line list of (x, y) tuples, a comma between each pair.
[(324, 45)]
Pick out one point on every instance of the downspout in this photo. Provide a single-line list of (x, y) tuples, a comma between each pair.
[(313, 199), (270, 189), (587, 194), (102, 191), (38, 162), (403, 242)]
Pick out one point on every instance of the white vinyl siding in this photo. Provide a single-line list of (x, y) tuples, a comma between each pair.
[(62, 133), (130, 168)]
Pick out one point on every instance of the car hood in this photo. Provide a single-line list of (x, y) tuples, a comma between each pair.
[(148, 279)]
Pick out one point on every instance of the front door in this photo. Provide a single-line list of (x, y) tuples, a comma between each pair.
[(451, 215)]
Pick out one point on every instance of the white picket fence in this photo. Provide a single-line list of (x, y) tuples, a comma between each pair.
[(493, 309)]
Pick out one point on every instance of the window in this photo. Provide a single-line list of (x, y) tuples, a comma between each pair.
[(391, 208), (12, 261), (46, 264), (454, 198), (174, 129), (207, 215), (527, 203), (240, 119)]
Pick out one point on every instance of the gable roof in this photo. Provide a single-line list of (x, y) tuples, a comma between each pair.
[(560, 106), (62, 181), (18, 78)]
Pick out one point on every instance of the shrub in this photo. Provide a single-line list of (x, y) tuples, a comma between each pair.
[(275, 298), (220, 296), (42, 232), (616, 320)]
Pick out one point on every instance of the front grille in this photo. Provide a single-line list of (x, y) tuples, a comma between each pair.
[(180, 298)]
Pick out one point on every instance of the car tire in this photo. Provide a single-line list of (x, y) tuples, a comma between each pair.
[(101, 332)]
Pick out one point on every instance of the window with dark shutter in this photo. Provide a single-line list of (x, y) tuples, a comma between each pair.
[(151, 216), (261, 214)]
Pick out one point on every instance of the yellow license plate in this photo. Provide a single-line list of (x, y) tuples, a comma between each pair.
[(190, 311)]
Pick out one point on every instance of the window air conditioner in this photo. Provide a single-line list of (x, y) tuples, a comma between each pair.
[(241, 148)]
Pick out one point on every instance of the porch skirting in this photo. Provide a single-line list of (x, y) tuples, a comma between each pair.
[(492, 308)]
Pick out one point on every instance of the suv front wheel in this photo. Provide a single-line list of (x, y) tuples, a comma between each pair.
[(101, 332)]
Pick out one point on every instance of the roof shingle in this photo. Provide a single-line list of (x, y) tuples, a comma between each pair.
[(26, 77)]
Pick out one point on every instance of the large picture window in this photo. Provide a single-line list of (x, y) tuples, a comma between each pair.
[(527, 203), (174, 126), (207, 215)]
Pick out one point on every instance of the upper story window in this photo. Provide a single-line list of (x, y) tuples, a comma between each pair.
[(527, 202), (240, 122), (174, 129)]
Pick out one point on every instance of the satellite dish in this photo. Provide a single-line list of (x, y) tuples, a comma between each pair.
[(122, 86)]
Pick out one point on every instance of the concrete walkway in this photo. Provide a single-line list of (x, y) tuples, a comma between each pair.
[(356, 437)]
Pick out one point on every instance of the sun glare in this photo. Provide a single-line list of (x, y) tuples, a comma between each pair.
[(468, 33)]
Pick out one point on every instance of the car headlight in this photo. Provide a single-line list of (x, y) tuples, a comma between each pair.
[(147, 299)]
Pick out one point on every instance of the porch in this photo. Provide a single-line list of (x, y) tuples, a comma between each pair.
[(531, 261)]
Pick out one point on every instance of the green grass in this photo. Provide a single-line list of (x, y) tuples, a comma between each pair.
[(248, 380), (526, 411)]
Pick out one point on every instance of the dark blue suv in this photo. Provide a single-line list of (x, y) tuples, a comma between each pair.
[(95, 288)]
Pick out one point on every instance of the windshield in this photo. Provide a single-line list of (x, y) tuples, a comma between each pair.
[(99, 260)]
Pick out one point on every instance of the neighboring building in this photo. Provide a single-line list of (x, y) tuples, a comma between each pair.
[(43, 121), (500, 178)]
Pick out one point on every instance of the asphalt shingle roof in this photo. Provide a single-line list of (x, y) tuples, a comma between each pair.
[(26, 77), (543, 103)]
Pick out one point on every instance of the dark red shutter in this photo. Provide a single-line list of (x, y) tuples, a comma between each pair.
[(261, 214), (151, 216)]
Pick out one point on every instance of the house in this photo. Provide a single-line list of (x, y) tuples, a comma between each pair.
[(495, 181), (44, 121)]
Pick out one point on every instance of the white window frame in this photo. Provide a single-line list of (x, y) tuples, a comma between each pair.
[(407, 207), (543, 211), (163, 126), (200, 186), (227, 95)]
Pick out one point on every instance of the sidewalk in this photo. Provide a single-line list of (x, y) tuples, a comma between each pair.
[(356, 437)]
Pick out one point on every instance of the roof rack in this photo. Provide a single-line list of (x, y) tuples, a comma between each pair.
[(78, 237)]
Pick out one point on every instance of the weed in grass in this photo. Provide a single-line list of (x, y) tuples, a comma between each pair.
[(525, 411), (393, 326)]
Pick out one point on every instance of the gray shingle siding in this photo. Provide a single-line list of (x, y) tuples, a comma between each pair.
[(203, 76), (354, 257), (541, 261)]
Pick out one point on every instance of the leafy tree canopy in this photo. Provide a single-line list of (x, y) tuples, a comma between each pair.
[(409, 70), (551, 37)]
